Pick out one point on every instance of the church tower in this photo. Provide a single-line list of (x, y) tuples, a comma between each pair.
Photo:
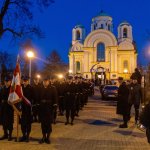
[(102, 21), (125, 32), (78, 34)]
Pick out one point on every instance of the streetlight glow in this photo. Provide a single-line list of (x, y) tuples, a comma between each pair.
[(125, 71), (38, 76), (30, 54), (70, 71), (60, 76)]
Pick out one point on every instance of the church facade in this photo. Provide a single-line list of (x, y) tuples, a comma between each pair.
[(101, 54)]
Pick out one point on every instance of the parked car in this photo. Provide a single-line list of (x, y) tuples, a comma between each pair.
[(110, 91)]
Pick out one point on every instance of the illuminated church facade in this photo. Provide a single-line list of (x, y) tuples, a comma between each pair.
[(101, 53)]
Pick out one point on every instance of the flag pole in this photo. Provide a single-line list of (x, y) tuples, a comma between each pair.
[(17, 139)]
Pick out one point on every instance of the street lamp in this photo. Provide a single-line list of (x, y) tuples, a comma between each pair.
[(70, 71), (30, 55)]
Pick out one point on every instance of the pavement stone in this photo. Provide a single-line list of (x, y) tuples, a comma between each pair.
[(95, 129)]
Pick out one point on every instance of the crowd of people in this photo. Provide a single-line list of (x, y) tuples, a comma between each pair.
[(67, 97)]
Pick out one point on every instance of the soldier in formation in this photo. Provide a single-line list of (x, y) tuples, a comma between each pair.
[(68, 96)]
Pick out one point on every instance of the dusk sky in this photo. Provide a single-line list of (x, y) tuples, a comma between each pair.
[(58, 20)]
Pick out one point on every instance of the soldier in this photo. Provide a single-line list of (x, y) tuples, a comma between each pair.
[(70, 102), (61, 90), (26, 116), (48, 100), (36, 99), (7, 113)]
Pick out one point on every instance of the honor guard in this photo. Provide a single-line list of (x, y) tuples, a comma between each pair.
[(48, 100), (26, 116), (7, 112)]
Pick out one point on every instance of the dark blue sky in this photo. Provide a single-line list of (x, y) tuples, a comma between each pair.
[(59, 19)]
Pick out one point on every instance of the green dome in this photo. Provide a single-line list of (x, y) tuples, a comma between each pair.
[(102, 14)]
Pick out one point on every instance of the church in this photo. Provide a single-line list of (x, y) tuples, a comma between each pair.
[(102, 54)]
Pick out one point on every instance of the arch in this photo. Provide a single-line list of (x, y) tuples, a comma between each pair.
[(100, 52), (125, 33), (78, 67), (100, 35), (78, 35)]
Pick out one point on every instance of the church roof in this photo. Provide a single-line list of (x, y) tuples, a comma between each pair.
[(102, 14), (125, 23), (79, 26)]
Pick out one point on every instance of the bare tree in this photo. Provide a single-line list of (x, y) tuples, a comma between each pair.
[(54, 65), (16, 17)]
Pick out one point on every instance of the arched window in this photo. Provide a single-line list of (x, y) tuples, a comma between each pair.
[(101, 52), (109, 27), (102, 26), (125, 33), (78, 67), (125, 64), (78, 36)]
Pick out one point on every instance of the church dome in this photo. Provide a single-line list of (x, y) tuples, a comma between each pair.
[(124, 23), (79, 26), (102, 14)]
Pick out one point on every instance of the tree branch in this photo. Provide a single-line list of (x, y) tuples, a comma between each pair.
[(13, 32)]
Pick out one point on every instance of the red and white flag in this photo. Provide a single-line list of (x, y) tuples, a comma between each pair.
[(16, 93)]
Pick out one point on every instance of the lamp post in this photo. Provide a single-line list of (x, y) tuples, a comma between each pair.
[(30, 55)]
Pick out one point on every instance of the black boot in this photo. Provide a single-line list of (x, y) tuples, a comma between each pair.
[(47, 140), (23, 138), (43, 139)]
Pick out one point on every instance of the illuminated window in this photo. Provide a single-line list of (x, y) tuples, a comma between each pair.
[(78, 67), (125, 64), (100, 52), (125, 33)]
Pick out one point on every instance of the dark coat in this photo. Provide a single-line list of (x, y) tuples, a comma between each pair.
[(70, 96), (6, 110), (36, 94), (135, 94), (48, 99), (26, 116), (122, 103), (145, 116)]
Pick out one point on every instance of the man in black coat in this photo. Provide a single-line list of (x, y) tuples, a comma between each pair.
[(122, 103), (26, 116), (48, 100), (7, 112), (135, 97), (70, 102)]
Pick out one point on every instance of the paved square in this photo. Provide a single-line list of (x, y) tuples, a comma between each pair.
[(95, 129)]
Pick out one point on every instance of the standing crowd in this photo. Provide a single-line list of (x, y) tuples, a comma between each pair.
[(67, 97)]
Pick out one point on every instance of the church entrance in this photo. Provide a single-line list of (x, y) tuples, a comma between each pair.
[(98, 74)]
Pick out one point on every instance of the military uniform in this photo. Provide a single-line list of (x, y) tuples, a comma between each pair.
[(36, 101), (48, 100), (6, 114), (70, 102), (26, 116)]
